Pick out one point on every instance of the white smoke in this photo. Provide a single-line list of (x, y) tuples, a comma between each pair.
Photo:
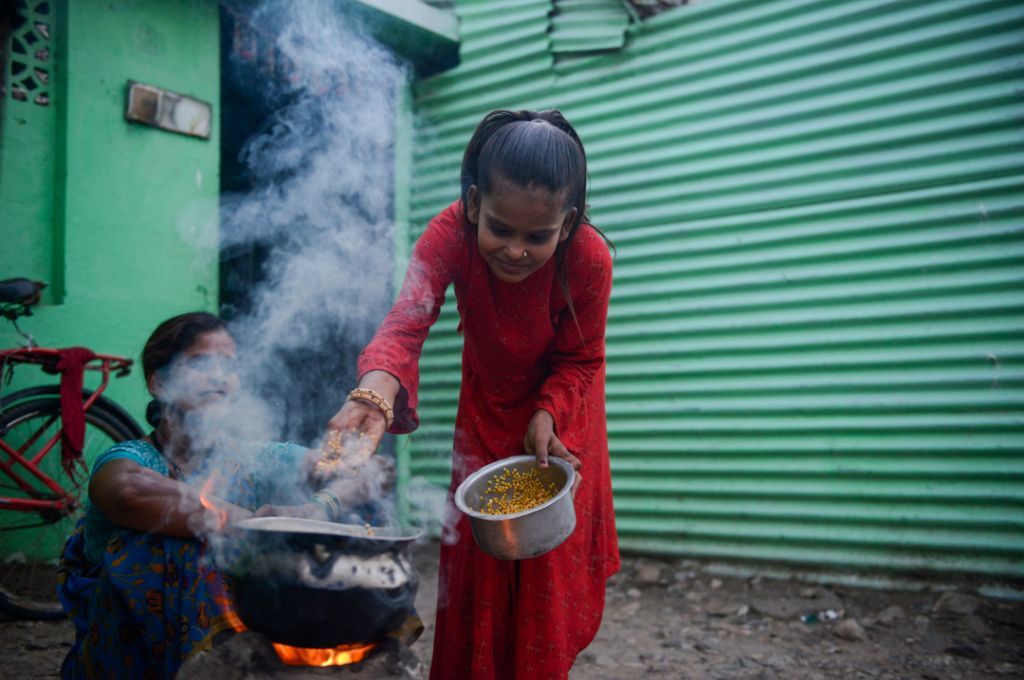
[(321, 176)]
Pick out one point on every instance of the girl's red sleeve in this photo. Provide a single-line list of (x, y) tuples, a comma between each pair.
[(398, 343), (579, 353)]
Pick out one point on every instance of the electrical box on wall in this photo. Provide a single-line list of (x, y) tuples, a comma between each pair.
[(167, 110)]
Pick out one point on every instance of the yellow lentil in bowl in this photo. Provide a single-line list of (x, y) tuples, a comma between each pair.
[(511, 491)]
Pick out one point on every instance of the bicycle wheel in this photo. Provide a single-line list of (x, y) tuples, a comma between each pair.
[(127, 423), (30, 542)]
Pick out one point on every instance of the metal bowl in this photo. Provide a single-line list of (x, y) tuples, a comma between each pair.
[(525, 534), (318, 584)]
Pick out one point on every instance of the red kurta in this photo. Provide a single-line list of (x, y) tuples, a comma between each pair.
[(522, 352)]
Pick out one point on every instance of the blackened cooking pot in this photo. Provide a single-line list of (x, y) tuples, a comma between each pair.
[(308, 583)]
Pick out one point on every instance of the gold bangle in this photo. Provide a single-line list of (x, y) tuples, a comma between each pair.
[(373, 397)]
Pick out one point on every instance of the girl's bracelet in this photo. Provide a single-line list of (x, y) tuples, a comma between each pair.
[(374, 397)]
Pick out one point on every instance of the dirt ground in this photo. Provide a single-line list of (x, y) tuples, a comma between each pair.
[(693, 619)]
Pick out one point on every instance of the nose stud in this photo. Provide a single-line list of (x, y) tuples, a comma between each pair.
[(524, 253)]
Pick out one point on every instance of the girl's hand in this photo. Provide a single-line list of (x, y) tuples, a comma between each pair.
[(361, 417), (541, 441)]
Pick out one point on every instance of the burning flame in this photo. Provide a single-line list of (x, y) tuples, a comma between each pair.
[(342, 655), (234, 621), (206, 498)]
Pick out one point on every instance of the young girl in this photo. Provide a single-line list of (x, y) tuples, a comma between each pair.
[(532, 281)]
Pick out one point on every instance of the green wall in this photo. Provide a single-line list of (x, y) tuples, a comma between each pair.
[(120, 219)]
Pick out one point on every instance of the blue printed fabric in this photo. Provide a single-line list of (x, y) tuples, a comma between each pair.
[(142, 603)]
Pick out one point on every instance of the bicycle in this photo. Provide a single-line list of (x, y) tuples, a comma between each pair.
[(46, 490)]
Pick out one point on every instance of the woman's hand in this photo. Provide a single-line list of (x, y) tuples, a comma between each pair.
[(307, 511), (218, 514), (542, 442), (373, 480)]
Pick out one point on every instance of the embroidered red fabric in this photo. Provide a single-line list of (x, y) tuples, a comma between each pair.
[(522, 352)]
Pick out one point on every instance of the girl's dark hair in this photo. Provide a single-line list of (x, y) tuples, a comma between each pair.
[(170, 338), (531, 150)]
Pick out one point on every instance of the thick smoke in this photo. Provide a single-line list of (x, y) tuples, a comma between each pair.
[(320, 176)]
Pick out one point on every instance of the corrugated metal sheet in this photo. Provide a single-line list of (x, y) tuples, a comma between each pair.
[(588, 26), (816, 339)]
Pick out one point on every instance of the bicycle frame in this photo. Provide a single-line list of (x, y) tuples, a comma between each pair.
[(47, 359)]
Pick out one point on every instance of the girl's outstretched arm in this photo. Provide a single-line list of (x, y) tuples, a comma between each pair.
[(389, 365)]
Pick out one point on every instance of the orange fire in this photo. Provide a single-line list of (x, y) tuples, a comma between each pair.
[(342, 655), (234, 621), (206, 498)]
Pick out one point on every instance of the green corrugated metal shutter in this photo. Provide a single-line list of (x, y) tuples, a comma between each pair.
[(588, 26), (816, 340)]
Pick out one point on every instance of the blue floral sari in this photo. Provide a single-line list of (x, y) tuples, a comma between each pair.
[(146, 602)]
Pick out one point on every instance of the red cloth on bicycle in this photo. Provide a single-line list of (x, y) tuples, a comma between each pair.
[(71, 365), (522, 352)]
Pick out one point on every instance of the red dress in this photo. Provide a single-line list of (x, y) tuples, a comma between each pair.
[(522, 352)]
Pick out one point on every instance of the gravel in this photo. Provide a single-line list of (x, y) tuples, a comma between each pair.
[(689, 619)]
